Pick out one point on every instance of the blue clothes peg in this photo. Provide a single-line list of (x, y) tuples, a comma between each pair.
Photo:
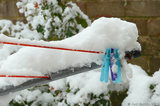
[(108, 61), (119, 75), (113, 75), (105, 67), (111, 64)]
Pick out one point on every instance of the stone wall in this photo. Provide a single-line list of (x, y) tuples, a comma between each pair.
[(145, 13)]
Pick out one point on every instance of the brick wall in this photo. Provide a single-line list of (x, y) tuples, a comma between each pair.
[(145, 13), (8, 10)]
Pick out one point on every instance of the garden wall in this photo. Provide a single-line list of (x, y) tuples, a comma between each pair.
[(145, 13)]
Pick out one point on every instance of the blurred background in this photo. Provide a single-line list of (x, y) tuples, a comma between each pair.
[(144, 13)]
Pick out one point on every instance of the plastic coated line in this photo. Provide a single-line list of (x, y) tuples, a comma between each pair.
[(58, 48), (22, 76)]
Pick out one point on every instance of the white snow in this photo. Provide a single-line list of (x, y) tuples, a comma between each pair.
[(86, 83), (103, 33), (39, 16), (139, 85), (139, 88), (19, 30), (5, 26), (138, 94), (4, 100)]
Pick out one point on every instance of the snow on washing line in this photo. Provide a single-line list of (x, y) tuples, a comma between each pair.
[(48, 47), (29, 43), (13, 41), (40, 44), (90, 44)]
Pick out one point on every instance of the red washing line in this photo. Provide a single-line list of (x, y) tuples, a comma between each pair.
[(22, 76), (58, 48)]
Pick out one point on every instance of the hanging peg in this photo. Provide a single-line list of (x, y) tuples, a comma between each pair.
[(119, 78), (105, 67), (111, 58)]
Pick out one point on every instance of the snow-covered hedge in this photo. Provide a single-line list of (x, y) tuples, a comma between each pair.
[(47, 20), (76, 90), (85, 90)]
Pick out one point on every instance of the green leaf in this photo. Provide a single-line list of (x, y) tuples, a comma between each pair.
[(60, 3), (52, 14), (69, 32), (57, 92), (14, 103), (101, 95), (45, 6), (40, 29), (68, 90), (81, 21), (76, 91), (152, 87), (59, 16), (44, 17)]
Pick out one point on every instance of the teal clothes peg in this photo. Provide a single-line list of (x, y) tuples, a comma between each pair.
[(107, 64), (105, 67), (119, 74)]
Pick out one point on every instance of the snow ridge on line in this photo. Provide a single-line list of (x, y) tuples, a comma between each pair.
[(103, 33)]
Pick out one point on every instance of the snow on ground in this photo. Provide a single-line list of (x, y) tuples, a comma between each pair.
[(103, 33)]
